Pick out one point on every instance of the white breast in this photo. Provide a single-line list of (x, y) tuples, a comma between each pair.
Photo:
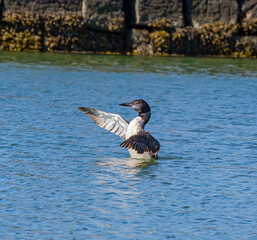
[(136, 125)]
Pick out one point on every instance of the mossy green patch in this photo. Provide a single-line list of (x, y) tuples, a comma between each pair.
[(246, 46), (21, 32), (185, 41), (62, 32), (116, 24), (161, 24), (217, 39), (249, 27), (161, 41)]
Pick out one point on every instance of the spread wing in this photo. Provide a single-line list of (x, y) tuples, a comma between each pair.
[(109, 121), (142, 142)]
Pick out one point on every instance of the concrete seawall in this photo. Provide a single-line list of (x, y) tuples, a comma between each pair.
[(132, 27)]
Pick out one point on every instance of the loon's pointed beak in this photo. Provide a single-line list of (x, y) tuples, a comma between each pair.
[(134, 105), (126, 104)]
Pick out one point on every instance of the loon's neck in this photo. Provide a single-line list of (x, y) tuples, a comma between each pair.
[(137, 124), (145, 116)]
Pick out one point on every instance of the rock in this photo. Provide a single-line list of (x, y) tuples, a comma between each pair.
[(217, 39), (161, 42), (145, 12), (42, 6), (70, 33), (249, 27), (21, 32), (185, 41), (250, 9), (104, 15), (101, 42), (138, 42), (246, 46), (61, 32), (214, 11)]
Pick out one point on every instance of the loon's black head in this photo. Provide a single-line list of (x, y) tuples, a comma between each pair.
[(138, 105)]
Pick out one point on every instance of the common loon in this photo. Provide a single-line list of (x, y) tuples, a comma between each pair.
[(140, 143)]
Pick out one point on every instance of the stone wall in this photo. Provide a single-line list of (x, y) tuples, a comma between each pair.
[(43, 6), (133, 27), (214, 11), (104, 15), (249, 9), (146, 12)]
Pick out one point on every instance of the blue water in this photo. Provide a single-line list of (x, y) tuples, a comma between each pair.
[(63, 177)]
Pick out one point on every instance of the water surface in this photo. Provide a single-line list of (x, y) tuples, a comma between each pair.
[(63, 177)]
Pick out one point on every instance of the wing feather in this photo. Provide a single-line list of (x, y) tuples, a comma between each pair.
[(142, 142), (109, 121), (115, 128)]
